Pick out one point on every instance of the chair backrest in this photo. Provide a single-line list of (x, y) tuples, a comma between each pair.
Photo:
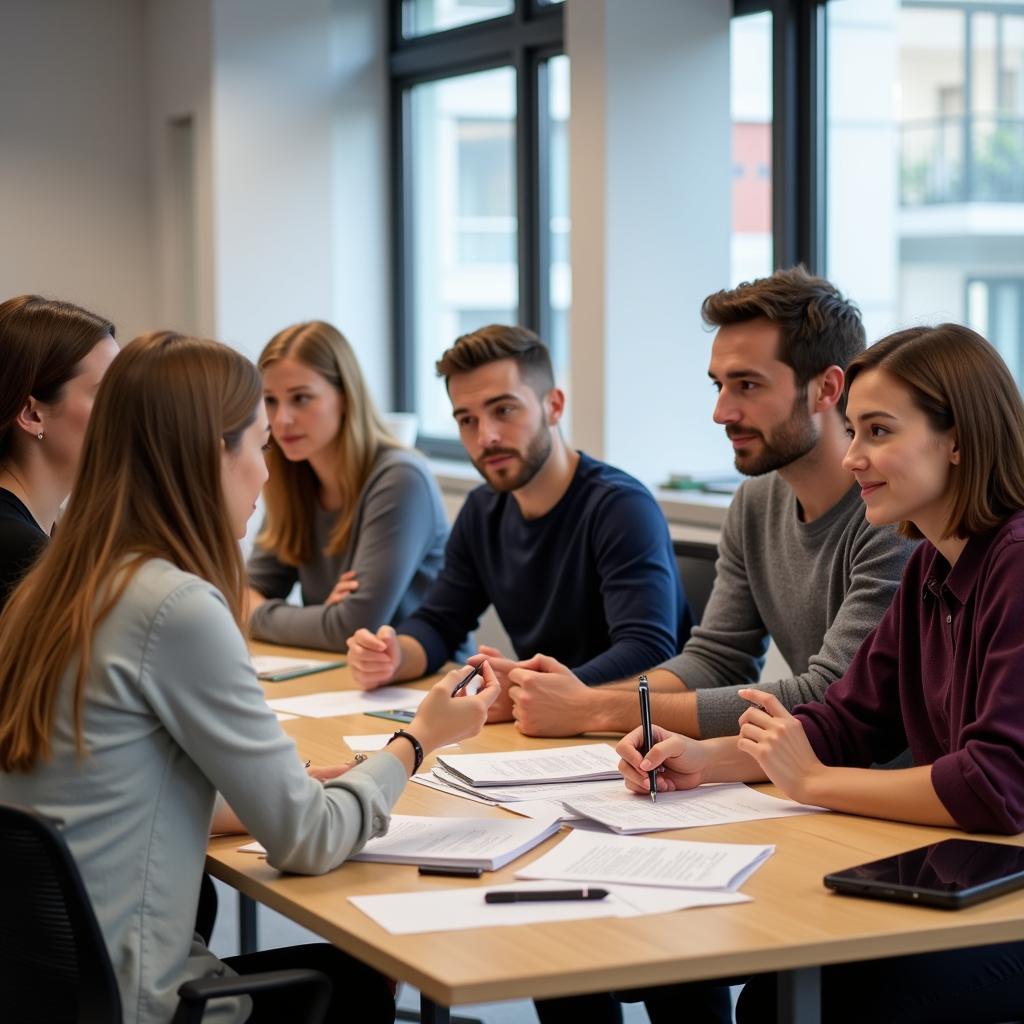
[(54, 964), (696, 563)]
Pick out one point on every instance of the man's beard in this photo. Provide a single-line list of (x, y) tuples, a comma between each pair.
[(537, 451), (789, 442)]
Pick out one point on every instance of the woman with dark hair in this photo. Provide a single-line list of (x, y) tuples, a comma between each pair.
[(351, 515), (936, 427), (128, 699), (54, 355)]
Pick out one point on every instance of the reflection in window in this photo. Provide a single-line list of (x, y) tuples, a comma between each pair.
[(464, 226), (926, 164), (750, 45)]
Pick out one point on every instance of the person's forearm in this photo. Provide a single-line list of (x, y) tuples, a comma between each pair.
[(905, 794), (616, 710), (659, 679), (414, 659)]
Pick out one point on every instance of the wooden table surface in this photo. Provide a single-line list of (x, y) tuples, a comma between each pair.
[(793, 921)]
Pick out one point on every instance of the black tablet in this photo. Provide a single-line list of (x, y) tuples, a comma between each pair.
[(953, 873)]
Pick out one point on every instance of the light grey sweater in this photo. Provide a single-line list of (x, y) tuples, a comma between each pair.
[(396, 548), (817, 589), (173, 714)]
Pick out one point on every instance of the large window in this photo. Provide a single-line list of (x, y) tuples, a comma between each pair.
[(481, 107), (926, 163)]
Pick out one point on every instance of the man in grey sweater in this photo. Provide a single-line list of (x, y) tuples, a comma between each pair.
[(798, 562)]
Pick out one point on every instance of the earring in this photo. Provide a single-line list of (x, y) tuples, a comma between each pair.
[(40, 435)]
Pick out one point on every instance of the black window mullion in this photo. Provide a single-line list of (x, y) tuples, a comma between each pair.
[(526, 189)]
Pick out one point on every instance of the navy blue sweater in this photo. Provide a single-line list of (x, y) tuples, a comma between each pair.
[(592, 583)]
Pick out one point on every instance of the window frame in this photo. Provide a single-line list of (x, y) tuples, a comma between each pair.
[(523, 40)]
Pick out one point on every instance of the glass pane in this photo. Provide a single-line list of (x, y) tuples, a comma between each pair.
[(420, 17), (926, 165), (560, 271), (750, 64), (463, 230)]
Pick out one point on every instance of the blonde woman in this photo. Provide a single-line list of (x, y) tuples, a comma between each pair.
[(352, 516), (127, 698)]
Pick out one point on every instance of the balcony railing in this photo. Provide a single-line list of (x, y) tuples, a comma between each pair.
[(975, 159)]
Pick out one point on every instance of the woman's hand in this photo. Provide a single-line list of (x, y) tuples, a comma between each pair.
[(777, 741), (442, 718), (680, 762)]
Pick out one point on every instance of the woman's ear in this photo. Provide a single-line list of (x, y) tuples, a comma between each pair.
[(32, 419)]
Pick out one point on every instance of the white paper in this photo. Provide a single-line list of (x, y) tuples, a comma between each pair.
[(489, 843), (541, 809), (517, 767), (282, 717), (435, 910), (629, 813), (634, 860), (431, 781), (252, 847), (275, 664), (348, 702), (374, 741), (530, 791)]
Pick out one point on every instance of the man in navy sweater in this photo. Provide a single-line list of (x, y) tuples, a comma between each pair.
[(574, 554)]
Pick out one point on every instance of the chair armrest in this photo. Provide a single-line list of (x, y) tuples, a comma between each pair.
[(194, 995)]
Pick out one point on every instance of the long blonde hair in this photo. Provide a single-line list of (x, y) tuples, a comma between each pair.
[(149, 486), (292, 491)]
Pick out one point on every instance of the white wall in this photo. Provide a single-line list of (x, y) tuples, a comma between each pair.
[(74, 160)]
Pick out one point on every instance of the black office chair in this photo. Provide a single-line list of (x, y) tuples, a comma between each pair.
[(54, 964), (695, 561)]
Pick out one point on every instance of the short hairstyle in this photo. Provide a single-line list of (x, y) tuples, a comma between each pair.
[(818, 326), (500, 341), (960, 382), (42, 343)]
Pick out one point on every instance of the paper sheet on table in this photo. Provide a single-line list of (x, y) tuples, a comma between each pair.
[(489, 843), (436, 910), (516, 767), (541, 809), (634, 860), (282, 717), (530, 791), (431, 781), (268, 666), (348, 702), (374, 741), (629, 813)]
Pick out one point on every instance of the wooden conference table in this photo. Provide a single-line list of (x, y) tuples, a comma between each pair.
[(793, 925)]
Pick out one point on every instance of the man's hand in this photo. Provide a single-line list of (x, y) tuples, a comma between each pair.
[(347, 582), (548, 700), (501, 709), (374, 657), (681, 763), (777, 741)]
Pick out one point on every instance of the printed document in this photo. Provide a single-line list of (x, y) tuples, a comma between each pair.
[(348, 702), (277, 668), (487, 843), (437, 910), (531, 791), (556, 764), (629, 813), (633, 860)]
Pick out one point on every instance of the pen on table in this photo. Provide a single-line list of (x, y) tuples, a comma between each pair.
[(544, 895), (463, 683), (645, 721)]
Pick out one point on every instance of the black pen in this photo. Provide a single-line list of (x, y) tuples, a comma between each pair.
[(469, 678), (645, 722), (754, 704), (544, 895)]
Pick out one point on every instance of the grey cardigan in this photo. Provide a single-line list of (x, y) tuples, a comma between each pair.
[(173, 714)]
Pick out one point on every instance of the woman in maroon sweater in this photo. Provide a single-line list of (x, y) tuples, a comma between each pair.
[(937, 444)]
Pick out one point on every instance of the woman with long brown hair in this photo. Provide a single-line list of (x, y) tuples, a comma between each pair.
[(351, 515), (54, 355), (128, 700)]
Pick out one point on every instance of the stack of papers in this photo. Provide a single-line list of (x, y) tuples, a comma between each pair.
[(487, 843), (436, 910), (348, 702), (277, 669), (630, 860), (629, 813), (557, 764)]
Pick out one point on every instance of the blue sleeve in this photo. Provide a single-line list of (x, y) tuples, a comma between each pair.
[(643, 599), (455, 601)]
